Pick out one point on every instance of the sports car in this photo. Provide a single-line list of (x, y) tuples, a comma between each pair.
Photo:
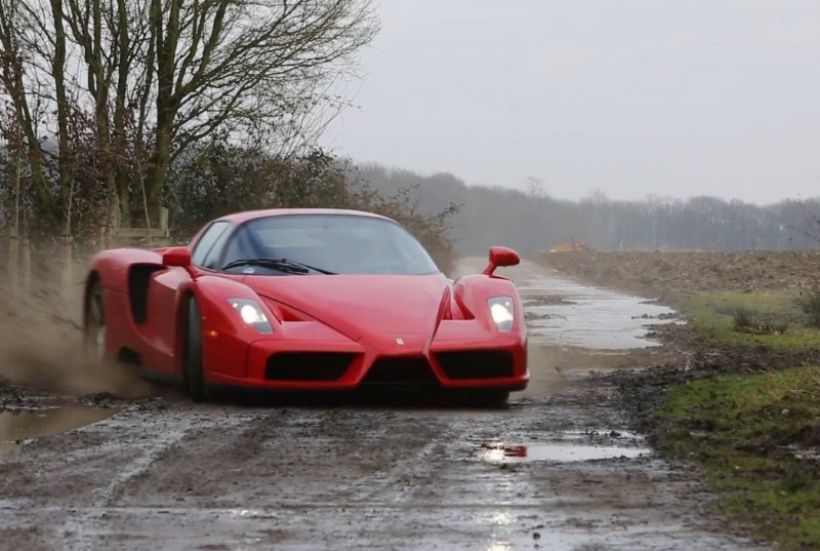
[(306, 299)]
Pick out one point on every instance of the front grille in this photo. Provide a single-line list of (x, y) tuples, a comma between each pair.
[(401, 371), (476, 364), (308, 366)]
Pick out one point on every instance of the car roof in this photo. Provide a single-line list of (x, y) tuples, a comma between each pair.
[(242, 217)]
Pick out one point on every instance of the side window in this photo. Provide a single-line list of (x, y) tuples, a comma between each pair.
[(205, 247), (212, 258), (239, 246)]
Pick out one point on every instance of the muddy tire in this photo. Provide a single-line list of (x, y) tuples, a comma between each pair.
[(193, 372), (94, 333)]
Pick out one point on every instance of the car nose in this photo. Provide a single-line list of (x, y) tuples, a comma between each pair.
[(398, 343)]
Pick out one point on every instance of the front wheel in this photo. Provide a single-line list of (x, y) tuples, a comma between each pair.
[(193, 373)]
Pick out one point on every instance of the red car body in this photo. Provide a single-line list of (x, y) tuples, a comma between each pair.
[(329, 332)]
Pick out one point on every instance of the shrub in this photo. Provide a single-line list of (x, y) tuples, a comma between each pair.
[(810, 306), (747, 320)]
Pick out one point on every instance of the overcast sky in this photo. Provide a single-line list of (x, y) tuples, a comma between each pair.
[(671, 97)]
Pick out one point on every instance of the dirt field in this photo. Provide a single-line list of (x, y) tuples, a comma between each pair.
[(560, 468), (665, 274)]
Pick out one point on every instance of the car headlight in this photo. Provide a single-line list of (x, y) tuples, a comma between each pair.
[(503, 312), (251, 313)]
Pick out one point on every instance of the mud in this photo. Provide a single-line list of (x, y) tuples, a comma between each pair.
[(367, 473)]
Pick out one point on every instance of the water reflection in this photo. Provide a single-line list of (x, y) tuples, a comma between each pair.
[(19, 425), (556, 452)]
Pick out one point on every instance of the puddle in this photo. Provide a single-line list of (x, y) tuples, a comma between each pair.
[(556, 452), (597, 318), (19, 425), (587, 317), (805, 454), (561, 311)]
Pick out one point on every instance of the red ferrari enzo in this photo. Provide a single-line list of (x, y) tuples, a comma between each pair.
[(307, 299)]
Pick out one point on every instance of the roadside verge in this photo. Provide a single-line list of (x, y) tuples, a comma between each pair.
[(740, 396)]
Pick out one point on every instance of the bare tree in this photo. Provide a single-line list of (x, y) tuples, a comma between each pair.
[(13, 78), (245, 68)]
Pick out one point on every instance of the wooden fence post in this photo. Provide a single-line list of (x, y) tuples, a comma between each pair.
[(13, 248), (67, 254), (25, 264)]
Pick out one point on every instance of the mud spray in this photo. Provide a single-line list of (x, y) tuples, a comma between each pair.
[(41, 342)]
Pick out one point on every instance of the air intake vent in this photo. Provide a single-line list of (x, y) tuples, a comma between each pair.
[(401, 371), (308, 366), (476, 364)]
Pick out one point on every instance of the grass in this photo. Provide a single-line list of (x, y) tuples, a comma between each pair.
[(757, 323), (743, 429), (810, 305), (774, 319)]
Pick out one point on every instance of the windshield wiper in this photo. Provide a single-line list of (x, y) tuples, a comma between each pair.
[(280, 264)]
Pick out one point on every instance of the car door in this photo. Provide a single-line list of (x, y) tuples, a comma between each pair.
[(164, 316)]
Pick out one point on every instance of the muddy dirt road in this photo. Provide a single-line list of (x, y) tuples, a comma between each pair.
[(557, 469)]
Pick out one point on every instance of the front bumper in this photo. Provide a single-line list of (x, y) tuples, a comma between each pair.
[(496, 362)]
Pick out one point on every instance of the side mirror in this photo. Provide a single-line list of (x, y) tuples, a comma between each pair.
[(177, 256), (501, 256)]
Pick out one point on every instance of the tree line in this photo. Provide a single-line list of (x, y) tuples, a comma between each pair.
[(532, 220), (114, 112)]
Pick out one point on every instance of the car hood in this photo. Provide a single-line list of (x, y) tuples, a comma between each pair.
[(374, 307)]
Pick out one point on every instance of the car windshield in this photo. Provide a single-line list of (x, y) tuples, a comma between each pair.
[(302, 244)]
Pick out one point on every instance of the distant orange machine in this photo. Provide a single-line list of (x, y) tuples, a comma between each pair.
[(570, 246)]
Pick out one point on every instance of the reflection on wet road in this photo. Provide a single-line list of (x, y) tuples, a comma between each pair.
[(556, 452)]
